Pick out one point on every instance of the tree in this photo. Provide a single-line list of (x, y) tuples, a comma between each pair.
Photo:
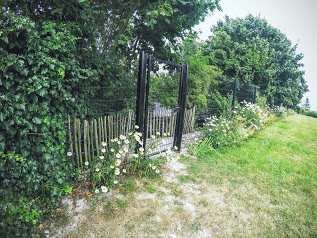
[(201, 75), (306, 104), (254, 51), (157, 27)]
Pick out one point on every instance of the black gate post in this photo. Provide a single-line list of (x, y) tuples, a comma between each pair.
[(234, 94), (254, 95), (147, 88), (182, 108), (139, 111)]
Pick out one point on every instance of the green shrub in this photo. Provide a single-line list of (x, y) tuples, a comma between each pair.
[(39, 75), (221, 131), (311, 114), (306, 112), (225, 130)]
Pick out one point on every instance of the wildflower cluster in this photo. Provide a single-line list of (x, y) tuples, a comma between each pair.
[(109, 168), (221, 131), (251, 115), (123, 156), (150, 167), (281, 111)]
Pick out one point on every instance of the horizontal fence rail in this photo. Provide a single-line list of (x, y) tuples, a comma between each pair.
[(85, 137)]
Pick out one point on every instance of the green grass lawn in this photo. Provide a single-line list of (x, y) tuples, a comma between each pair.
[(273, 174), (265, 187)]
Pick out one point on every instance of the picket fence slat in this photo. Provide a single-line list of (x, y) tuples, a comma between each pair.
[(85, 139)]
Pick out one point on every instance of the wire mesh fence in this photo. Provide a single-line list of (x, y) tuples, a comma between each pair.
[(111, 109), (224, 97)]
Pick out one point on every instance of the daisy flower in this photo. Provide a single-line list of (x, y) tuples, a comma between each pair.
[(69, 153), (118, 162), (104, 189)]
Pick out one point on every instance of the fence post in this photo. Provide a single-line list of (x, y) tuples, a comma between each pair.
[(147, 88), (182, 108), (254, 95), (139, 111), (234, 94)]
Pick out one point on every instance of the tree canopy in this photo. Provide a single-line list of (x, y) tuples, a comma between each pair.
[(53, 53), (254, 51)]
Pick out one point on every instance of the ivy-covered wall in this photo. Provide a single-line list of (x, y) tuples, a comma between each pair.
[(39, 77)]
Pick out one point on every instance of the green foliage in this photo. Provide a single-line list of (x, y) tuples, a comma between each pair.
[(304, 111), (280, 111), (225, 130), (164, 88), (253, 51), (311, 114), (201, 148), (120, 159), (39, 74), (221, 132), (153, 26), (201, 75), (220, 104)]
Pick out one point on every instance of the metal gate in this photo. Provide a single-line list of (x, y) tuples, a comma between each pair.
[(161, 102)]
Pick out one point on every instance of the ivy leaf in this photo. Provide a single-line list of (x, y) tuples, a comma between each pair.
[(5, 39), (37, 120)]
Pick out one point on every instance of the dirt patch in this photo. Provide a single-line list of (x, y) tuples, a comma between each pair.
[(177, 210)]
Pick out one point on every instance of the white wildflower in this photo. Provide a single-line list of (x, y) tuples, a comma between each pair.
[(104, 189), (118, 162)]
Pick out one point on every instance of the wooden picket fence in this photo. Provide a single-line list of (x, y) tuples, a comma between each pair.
[(85, 137)]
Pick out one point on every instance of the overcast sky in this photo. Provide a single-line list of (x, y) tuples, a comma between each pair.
[(297, 19)]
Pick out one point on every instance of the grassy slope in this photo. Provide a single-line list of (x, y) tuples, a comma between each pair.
[(266, 187), (278, 169)]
